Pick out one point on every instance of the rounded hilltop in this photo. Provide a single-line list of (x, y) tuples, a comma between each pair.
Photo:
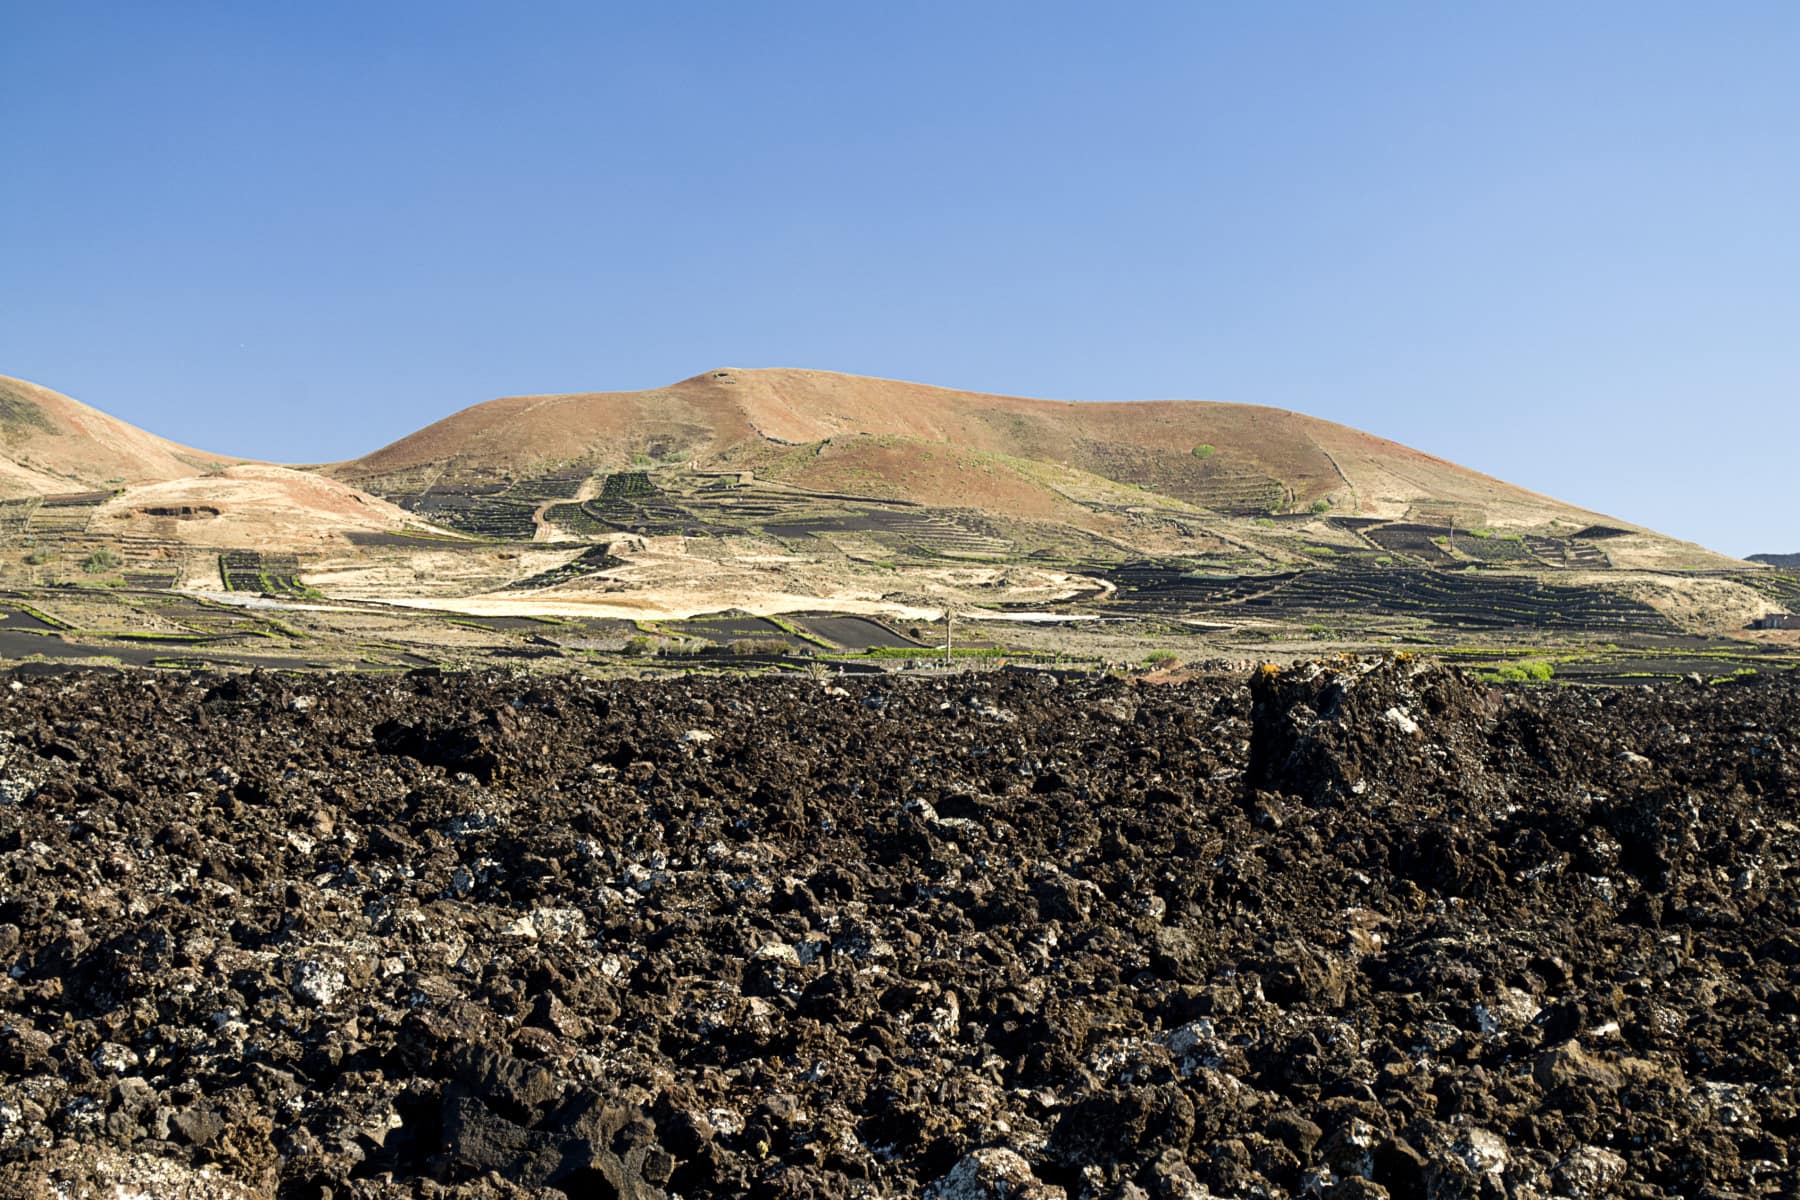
[(51, 444), (823, 428)]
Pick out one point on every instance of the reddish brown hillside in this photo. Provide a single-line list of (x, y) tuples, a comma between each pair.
[(1235, 458), (50, 443)]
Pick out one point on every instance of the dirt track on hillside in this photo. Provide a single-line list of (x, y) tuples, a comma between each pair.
[(1344, 931)]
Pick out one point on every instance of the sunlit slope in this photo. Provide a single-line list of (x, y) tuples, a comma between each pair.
[(50, 444), (1234, 459)]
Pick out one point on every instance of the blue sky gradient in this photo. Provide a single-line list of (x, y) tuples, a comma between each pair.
[(1557, 243)]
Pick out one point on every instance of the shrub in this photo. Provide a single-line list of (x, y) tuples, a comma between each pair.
[(38, 558), (754, 646), (101, 561), (1483, 534), (1320, 506), (639, 646), (1535, 671), (1205, 450), (1161, 658)]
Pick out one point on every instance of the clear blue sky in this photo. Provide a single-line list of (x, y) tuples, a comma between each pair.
[(1559, 242)]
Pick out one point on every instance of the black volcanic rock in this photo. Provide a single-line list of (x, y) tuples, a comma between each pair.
[(476, 936)]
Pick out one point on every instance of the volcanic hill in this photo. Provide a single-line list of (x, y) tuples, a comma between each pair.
[(75, 480), (51, 444), (763, 492), (946, 448)]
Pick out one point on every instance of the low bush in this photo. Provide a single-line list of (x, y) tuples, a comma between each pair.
[(1535, 671), (746, 647)]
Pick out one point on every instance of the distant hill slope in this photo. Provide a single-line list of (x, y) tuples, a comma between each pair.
[(1240, 482), (50, 443), (247, 507), (141, 486), (831, 431), (1787, 561)]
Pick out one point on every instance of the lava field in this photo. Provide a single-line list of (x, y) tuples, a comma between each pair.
[(1350, 930)]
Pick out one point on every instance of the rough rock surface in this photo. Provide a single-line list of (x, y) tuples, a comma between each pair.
[(1353, 930)]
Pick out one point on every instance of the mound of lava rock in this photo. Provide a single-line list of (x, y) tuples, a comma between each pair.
[(1350, 930)]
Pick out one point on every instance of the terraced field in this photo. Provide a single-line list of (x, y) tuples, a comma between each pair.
[(1367, 577), (1459, 600), (1783, 587), (1495, 549), (628, 485), (496, 508), (1414, 541), (65, 515), (486, 516), (1466, 599), (563, 483), (589, 562), (1149, 588), (408, 541), (15, 515), (934, 533), (1216, 481), (633, 502), (1443, 514), (577, 520), (1587, 556), (269, 574)]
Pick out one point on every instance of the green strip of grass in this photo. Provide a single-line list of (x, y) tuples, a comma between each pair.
[(793, 630), (46, 618)]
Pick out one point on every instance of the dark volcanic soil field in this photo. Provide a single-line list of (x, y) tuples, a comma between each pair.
[(1350, 932)]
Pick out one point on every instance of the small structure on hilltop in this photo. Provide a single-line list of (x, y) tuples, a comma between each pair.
[(1777, 621)]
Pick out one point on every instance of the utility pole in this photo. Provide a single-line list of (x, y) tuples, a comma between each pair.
[(949, 617)]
